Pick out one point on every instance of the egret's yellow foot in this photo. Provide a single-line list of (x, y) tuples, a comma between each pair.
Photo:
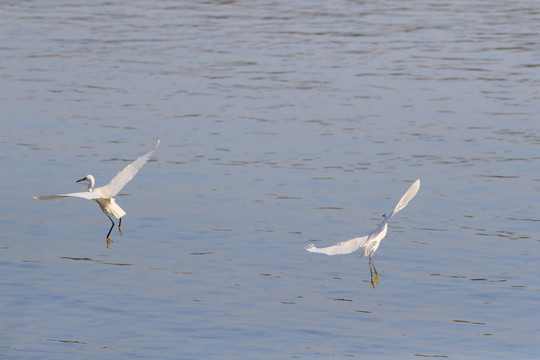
[(109, 241), (372, 284), (120, 230), (376, 278)]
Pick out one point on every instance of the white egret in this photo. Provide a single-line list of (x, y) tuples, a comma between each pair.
[(369, 242), (104, 195)]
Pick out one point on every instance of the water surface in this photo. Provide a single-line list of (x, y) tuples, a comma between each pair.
[(281, 123)]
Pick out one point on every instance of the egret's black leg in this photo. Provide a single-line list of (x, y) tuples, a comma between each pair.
[(371, 273), (109, 240), (120, 227)]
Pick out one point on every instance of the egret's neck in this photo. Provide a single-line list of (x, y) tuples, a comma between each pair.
[(385, 229), (383, 226), (91, 183)]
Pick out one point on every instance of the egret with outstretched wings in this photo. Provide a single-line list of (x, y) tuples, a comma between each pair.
[(370, 242), (104, 195)]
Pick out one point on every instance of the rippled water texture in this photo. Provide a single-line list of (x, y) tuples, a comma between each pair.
[(281, 123)]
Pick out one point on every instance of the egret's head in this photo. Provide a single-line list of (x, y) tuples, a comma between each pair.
[(90, 180)]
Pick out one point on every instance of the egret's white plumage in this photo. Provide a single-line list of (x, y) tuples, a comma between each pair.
[(370, 243), (104, 195)]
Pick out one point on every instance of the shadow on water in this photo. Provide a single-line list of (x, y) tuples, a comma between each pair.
[(93, 260)]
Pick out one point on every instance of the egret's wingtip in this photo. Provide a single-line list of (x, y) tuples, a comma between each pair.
[(310, 247), (159, 140)]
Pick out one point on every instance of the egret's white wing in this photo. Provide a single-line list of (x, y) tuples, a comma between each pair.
[(124, 176), (407, 197), (345, 247), (84, 195)]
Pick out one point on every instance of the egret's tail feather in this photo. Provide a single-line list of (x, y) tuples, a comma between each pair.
[(115, 209)]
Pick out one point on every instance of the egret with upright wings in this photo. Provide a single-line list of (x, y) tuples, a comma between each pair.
[(104, 195), (369, 242)]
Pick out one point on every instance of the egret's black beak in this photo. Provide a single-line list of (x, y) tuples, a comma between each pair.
[(84, 178)]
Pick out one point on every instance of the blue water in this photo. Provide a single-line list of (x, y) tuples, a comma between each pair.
[(281, 123)]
